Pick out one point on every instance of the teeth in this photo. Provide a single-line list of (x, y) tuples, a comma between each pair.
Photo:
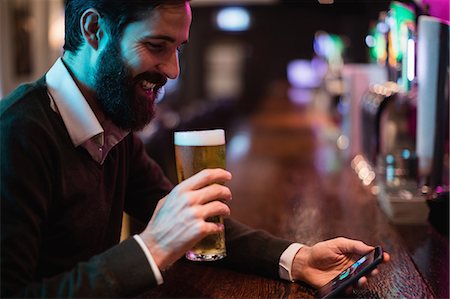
[(147, 85)]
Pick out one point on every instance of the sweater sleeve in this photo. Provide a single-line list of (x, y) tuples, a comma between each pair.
[(252, 250), (28, 171)]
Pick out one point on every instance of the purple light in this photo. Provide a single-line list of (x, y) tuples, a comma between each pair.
[(320, 66), (383, 27), (323, 44), (302, 74)]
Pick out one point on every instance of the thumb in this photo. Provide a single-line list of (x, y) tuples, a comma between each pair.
[(353, 246)]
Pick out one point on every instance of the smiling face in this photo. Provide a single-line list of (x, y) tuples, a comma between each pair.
[(130, 71)]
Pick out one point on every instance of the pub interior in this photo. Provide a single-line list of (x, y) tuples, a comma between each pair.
[(336, 116)]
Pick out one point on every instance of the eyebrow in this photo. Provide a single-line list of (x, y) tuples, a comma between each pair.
[(164, 37)]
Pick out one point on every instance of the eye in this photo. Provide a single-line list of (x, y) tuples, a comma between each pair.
[(155, 46)]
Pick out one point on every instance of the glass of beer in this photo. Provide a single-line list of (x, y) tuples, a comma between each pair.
[(195, 151)]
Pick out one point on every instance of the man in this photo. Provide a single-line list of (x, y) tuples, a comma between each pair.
[(71, 165)]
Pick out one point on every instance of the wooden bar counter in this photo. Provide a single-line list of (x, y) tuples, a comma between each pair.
[(289, 179)]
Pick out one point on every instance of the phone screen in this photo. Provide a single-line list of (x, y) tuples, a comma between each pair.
[(351, 275)]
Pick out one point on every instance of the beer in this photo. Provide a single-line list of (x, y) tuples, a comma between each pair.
[(195, 151)]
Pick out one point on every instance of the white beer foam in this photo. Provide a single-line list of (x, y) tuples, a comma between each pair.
[(200, 138)]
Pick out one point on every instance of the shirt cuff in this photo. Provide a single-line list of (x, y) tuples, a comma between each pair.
[(286, 260), (151, 261)]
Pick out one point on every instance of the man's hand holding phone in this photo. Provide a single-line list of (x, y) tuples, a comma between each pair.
[(325, 261)]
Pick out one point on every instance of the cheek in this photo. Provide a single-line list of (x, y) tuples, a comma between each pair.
[(139, 61)]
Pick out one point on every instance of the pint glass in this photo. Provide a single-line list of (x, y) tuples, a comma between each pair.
[(195, 151)]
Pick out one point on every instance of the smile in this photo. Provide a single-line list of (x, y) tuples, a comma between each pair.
[(147, 86)]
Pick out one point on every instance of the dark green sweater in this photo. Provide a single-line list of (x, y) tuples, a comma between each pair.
[(61, 211)]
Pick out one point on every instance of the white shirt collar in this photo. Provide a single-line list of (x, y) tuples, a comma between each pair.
[(75, 111), (97, 136)]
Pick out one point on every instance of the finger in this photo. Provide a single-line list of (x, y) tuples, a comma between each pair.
[(212, 228), (211, 193), (386, 257), (374, 272), (362, 281), (214, 208), (206, 177)]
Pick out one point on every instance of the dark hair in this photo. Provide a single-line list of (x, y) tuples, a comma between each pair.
[(116, 13)]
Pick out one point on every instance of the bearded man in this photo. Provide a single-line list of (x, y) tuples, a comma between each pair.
[(71, 164)]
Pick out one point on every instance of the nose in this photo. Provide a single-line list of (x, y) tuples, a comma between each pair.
[(170, 67)]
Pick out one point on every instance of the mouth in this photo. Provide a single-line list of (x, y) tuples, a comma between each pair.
[(148, 87)]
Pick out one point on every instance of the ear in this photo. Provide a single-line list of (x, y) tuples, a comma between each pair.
[(91, 27)]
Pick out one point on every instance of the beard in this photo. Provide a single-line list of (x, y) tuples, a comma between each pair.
[(116, 91)]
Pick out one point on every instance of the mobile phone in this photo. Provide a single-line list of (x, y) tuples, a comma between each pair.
[(349, 276)]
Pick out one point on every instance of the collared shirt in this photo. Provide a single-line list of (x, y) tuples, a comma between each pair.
[(98, 135), (92, 131)]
